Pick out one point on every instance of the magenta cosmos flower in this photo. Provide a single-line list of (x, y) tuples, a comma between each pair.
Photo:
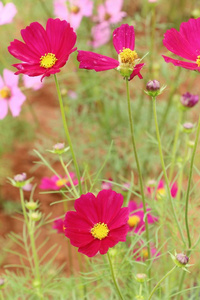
[(124, 43), (10, 95), (98, 223), (55, 183), (7, 13), (161, 190), (184, 43), (44, 51), (58, 225), (73, 10), (136, 217)]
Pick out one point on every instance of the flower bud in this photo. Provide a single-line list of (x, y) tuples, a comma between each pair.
[(59, 146), (35, 216), (182, 258), (188, 100), (141, 277), (191, 144), (59, 149), (153, 88), (188, 127), (20, 177), (151, 183), (31, 205)]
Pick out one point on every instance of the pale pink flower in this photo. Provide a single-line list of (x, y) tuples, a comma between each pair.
[(7, 13), (110, 12), (101, 34), (161, 191), (32, 82), (153, 1), (107, 185), (73, 10), (10, 94)]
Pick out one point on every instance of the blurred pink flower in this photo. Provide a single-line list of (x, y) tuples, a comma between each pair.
[(55, 183), (101, 34), (152, 1), (105, 185), (161, 190), (58, 225), (27, 187), (136, 217), (7, 13), (110, 12), (32, 82), (142, 254), (73, 10), (10, 94)]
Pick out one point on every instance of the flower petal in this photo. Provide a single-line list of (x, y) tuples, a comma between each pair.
[(175, 42), (94, 61), (15, 102), (124, 37), (191, 30), (180, 63), (86, 206), (21, 51), (91, 249), (3, 108), (136, 71), (174, 190)]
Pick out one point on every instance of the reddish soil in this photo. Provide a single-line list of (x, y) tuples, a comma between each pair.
[(21, 160)]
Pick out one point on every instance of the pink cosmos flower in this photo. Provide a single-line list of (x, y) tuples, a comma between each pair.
[(98, 223), (7, 13), (136, 217), (105, 185), (142, 255), (124, 43), (100, 34), (32, 82), (10, 95), (73, 11), (161, 190), (55, 183), (184, 43), (44, 51), (58, 225), (110, 12)]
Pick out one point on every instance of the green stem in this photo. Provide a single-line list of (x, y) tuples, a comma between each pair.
[(139, 173), (113, 277), (162, 279), (164, 169), (174, 149), (23, 207), (189, 184), (67, 134)]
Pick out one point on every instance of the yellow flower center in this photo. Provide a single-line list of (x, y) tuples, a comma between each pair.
[(75, 9), (127, 57), (161, 193), (198, 60), (133, 221), (5, 92), (144, 253), (61, 182), (48, 60), (100, 231), (107, 16)]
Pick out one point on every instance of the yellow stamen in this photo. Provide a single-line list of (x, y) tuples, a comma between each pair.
[(61, 182), (75, 9), (127, 57), (5, 92), (198, 60), (144, 253), (161, 193), (133, 221), (107, 16), (100, 231), (48, 60)]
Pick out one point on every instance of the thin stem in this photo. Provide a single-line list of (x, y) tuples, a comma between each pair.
[(162, 279), (139, 173), (164, 169), (23, 207), (67, 134), (113, 277), (189, 184), (174, 149)]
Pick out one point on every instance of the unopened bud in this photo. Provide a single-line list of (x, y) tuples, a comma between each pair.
[(188, 100), (191, 144), (182, 258), (141, 277), (31, 205), (20, 177), (35, 216), (153, 85), (188, 127), (59, 146)]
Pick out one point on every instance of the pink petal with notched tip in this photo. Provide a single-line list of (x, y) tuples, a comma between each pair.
[(94, 61), (124, 37)]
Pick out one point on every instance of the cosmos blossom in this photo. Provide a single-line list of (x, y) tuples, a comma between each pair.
[(7, 13), (127, 63), (98, 223), (184, 43), (58, 225), (161, 190), (55, 183), (73, 11), (110, 12), (44, 51), (10, 94), (142, 254), (136, 217)]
